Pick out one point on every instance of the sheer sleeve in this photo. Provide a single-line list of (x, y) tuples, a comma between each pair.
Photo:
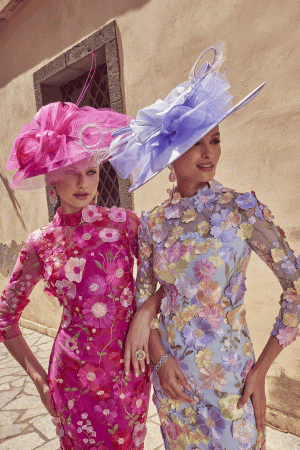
[(268, 242), (146, 282), (133, 223), (26, 273)]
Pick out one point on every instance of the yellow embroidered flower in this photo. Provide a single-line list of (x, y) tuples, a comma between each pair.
[(237, 317), (175, 404), (189, 313), (290, 320), (181, 441), (145, 251), (197, 436), (189, 254), (157, 216), (202, 228), (247, 350), (213, 244), (297, 285), (177, 232), (190, 414), (245, 231), (189, 215), (209, 292), (176, 198), (216, 260), (170, 241), (277, 254), (170, 334), (201, 248), (228, 409), (226, 198), (204, 358)]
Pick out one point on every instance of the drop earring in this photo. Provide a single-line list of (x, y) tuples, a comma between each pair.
[(172, 176), (96, 198), (53, 196)]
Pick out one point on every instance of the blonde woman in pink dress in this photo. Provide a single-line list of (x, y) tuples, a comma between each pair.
[(85, 255)]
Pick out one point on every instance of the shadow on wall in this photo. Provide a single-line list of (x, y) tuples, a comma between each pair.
[(49, 27), (15, 203)]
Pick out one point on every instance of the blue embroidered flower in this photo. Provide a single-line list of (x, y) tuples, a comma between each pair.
[(288, 267), (259, 211), (226, 253), (224, 224), (192, 235), (246, 201), (198, 333), (211, 422), (298, 262), (205, 199), (232, 362), (173, 211), (236, 289)]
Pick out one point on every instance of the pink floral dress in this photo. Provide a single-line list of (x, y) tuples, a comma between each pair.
[(87, 261)]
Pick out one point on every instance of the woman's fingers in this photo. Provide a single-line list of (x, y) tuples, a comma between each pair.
[(127, 359), (260, 407), (172, 380)]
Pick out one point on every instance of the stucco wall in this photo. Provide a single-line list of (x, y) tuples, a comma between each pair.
[(158, 43)]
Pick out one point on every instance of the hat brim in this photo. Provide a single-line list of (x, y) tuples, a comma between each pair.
[(171, 153)]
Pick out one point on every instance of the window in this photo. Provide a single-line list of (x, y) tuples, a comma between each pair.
[(63, 79)]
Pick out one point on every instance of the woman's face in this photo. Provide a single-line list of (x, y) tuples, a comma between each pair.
[(79, 187), (198, 165)]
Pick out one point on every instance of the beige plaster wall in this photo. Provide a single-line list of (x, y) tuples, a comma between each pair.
[(158, 42)]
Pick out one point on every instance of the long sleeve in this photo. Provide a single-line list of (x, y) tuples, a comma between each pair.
[(133, 223), (265, 239), (146, 282), (26, 273)]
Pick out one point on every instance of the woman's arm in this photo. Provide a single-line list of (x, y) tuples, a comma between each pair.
[(171, 377), (255, 382), (20, 350), (138, 333)]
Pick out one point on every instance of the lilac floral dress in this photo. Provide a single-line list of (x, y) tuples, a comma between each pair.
[(87, 261), (198, 248)]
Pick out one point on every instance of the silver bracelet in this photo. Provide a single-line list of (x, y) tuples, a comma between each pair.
[(161, 361)]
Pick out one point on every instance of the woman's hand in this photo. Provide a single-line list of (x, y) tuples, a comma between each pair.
[(255, 388), (172, 380), (46, 397), (137, 339)]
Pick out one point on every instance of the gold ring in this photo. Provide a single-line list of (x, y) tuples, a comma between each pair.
[(140, 355)]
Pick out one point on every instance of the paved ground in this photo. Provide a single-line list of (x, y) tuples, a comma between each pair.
[(26, 425)]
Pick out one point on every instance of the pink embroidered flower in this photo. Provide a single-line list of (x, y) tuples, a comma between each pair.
[(212, 315), (95, 285), (117, 273), (74, 269), (139, 434), (123, 396), (103, 393), (247, 368), (91, 376), (117, 214), (98, 313), (186, 286), (204, 270), (90, 214), (23, 256), (287, 336), (138, 403), (65, 287), (175, 252), (109, 235), (85, 235), (66, 318), (106, 411), (126, 297)]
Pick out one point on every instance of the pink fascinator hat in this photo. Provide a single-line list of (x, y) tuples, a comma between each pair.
[(58, 136)]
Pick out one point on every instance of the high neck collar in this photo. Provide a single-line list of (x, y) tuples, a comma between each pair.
[(212, 186), (84, 215)]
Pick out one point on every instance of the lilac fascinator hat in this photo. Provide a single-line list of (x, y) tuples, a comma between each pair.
[(59, 136), (164, 131)]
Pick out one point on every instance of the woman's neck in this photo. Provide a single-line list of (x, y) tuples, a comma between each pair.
[(189, 189)]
